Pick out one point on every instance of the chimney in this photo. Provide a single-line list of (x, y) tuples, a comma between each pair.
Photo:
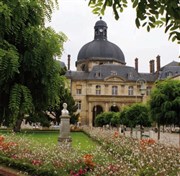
[(69, 59), (151, 62), (158, 63), (136, 64)]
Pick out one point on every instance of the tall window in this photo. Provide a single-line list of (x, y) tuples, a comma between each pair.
[(130, 90), (122, 89), (98, 90), (78, 91), (148, 91), (114, 90), (78, 105)]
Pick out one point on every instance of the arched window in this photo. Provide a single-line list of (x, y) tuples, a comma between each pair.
[(130, 90), (98, 90)]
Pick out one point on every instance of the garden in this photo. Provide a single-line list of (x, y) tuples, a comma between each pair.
[(93, 152)]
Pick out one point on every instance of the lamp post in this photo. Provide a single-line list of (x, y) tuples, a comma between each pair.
[(142, 82)]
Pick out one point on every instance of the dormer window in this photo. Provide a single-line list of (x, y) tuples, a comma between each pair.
[(113, 73), (169, 74), (130, 75), (97, 74)]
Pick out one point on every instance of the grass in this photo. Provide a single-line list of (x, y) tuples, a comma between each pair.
[(79, 139)]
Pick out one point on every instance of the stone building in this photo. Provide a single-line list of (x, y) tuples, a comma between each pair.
[(104, 83)]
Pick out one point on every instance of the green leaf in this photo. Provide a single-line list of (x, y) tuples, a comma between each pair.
[(174, 38), (96, 9), (174, 28), (152, 19), (163, 19), (124, 1), (144, 24), (109, 2), (161, 10), (135, 3), (167, 27), (125, 5), (137, 22), (152, 25), (148, 28)]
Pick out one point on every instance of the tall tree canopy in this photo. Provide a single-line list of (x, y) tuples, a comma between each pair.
[(149, 13), (29, 75), (165, 102)]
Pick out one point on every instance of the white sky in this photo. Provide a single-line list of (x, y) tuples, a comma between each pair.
[(77, 21)]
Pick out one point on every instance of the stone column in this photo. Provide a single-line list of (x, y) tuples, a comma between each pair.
[(90, 114), (64, 137)]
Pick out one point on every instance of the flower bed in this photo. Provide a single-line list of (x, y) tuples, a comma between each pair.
[(135, 157), (37, 159), (116, 155)]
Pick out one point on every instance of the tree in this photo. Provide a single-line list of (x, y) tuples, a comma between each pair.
[(115, 119), (107, 118), (149, 13), (137, 114), (29, 75), (165, 103)]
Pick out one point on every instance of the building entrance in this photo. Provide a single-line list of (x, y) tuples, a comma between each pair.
[(96, 110)]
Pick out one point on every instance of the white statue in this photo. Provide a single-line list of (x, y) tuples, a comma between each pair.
[(65, 111)]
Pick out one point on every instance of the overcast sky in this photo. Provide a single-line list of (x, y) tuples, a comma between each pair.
[(77, 21)]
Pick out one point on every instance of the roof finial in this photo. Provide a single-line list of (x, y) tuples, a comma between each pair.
[(100, 18)]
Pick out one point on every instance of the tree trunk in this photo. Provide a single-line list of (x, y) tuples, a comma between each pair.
[(131, 131), (158, 131), (163, 129), (17, 126), (141, 131)]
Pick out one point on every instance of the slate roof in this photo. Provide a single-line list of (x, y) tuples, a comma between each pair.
[(169, 71), (173, 63), (77, 75), (149, 77), (101, 49), (100, 72)]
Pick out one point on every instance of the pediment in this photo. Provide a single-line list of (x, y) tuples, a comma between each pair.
[(114, 79)]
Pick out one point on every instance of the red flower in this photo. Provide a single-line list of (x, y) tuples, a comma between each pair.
[(146, 142), (88, 160), (116, 134), (1, 139), (36, 162)]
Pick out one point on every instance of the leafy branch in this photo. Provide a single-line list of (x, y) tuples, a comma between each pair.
[(149, 13)]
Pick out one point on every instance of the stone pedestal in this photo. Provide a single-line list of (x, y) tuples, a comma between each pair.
[(64, 137)]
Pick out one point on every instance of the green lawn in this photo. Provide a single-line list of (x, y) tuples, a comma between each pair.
[(79, 139)]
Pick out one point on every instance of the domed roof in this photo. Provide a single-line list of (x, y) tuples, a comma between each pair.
[(100, 48), (100, 23)]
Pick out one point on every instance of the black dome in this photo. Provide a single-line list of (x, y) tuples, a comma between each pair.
[(101, 23), (101, 50)]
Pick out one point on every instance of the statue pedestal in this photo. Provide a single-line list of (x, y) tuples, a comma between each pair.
[(65, 138)]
